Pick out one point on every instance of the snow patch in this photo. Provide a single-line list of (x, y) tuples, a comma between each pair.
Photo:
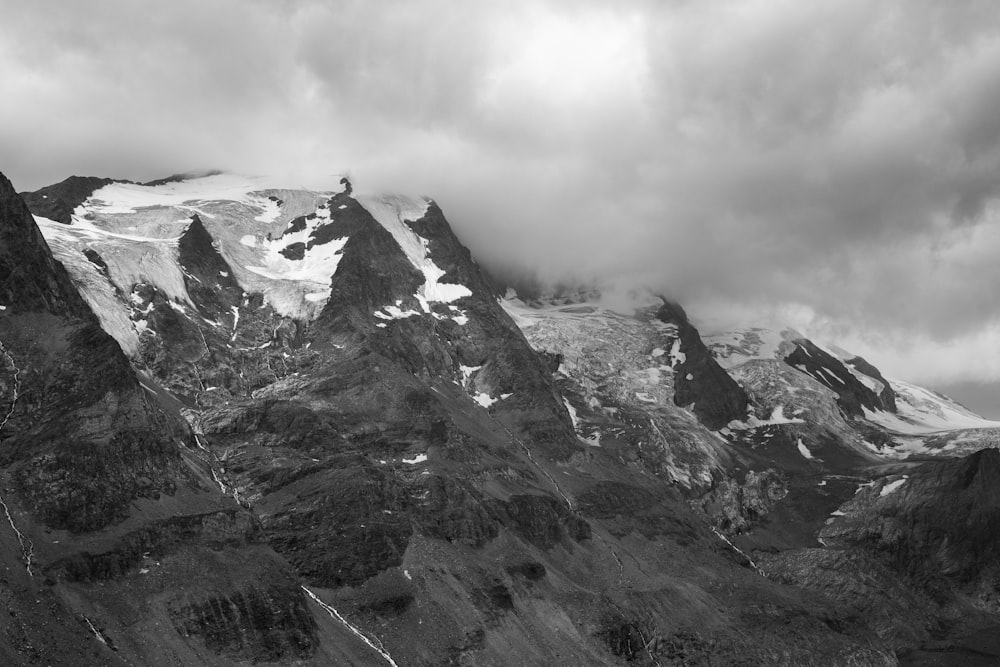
[(777, 417), (572, 414), (391, 212), (803, 450), (484, 399), (467, 372), (676, 356), (892, 486), (395, 312)]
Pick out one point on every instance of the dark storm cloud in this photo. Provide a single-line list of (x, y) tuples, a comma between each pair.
[(836, 163)]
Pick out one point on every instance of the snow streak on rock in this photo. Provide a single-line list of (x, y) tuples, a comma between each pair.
[(375, 644), (735, 548), (392, 212), (97, 633)]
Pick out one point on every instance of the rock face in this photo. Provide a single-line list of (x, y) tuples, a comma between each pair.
[(330, 424), (852, 393), (699, 380), (30, 278), (887, 396), (98, 479), (916, 555), (936, 525), (57, 202), (207, 275)]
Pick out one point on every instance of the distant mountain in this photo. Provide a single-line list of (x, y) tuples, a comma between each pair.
[(413, 467)]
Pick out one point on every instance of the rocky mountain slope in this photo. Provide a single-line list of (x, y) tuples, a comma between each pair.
[(325, 436)]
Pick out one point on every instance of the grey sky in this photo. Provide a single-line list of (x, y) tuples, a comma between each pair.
[(829, 165)]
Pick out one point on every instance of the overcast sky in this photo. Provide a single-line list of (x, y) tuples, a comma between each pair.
[(827, 165)]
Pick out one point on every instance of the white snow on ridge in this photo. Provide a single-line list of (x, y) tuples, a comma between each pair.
[(866, 380), (118, 198), (239, 213), (922, 412), (892, 486), (391, 211)]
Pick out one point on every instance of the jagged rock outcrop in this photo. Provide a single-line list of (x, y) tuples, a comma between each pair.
[(207, 275), (30, 278), (937, 525), (699, 381), (852, 394), (886, 395), (57, 202), (734, 505)]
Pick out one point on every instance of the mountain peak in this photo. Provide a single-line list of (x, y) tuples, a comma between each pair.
[(30, 278), (58, 201)]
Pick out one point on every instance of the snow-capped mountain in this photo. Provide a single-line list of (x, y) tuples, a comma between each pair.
[(916, 422), (361, 450)]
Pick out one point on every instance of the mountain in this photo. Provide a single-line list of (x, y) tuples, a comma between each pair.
[(322, 434), (115, 528)]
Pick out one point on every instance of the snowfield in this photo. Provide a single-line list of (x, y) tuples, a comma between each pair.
[(135, 229)]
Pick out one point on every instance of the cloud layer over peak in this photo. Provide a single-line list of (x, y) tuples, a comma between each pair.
[(835, 163)]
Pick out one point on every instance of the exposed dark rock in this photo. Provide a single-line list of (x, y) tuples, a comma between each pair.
[(232, 527), (530, 570), (57, 202), (262, 622), (296, 225), (626, 508), (852, 394), (295, 250), (30, 279), (96, 260), (493, 602), (541, 520), (699, 381), (887, 395), (939, 527), (84, 485), (865, 588), (735, 506), (207, 276)]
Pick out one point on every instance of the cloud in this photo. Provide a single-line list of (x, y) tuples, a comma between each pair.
[(835, 161)]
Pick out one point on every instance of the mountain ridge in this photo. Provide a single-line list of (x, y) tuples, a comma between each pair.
[(464, 476)]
